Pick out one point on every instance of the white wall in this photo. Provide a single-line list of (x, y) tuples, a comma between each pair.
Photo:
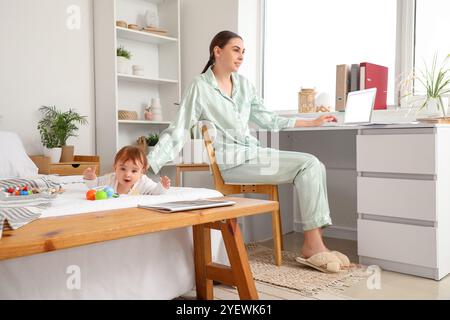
[(200, 21), (42, 62)]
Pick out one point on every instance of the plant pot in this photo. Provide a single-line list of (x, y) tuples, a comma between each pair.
[(54, 154), (123, 65), (433, 110), (151, 149), (67, 154)]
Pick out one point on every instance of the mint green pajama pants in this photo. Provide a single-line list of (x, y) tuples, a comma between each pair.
[(277, 167)]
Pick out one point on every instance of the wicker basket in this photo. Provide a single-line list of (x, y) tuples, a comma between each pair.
[(127, 115), (121, 23)]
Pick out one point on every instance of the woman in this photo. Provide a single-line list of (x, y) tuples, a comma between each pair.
[(229, 101)]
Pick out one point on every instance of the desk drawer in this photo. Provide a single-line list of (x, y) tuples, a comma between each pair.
[(402, 153), (403, 243), (408, 199), (70, 169)]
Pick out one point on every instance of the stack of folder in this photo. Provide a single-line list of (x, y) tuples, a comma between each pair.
[(359, 77)]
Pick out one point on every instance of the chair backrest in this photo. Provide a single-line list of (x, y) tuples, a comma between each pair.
[(219, 184)]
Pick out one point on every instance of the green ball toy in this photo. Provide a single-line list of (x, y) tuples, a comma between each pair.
[(101, 195)]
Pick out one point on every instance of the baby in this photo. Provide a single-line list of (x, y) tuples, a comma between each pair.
[(130, 165)]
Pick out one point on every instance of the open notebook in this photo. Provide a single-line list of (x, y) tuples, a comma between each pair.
[(177, 206)]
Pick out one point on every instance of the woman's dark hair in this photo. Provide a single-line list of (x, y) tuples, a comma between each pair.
[(220, 40)]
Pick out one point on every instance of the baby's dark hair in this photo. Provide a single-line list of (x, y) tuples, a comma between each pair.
[(132, 153)]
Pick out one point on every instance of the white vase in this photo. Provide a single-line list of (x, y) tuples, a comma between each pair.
[(54, 154), (151, 18), (123, 65), (433, 109), (151, 149), (156, 109)]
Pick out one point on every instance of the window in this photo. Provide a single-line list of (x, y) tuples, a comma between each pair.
[(304, 41), (431, 34)]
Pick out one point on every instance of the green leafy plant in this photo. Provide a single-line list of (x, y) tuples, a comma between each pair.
[(122, 52), (435, 81), (152, 139), (56, 126)]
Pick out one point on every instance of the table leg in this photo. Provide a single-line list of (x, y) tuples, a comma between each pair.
[(237, 255), (202, 258)]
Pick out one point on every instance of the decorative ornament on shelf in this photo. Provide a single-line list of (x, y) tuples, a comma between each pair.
[(133, 27), (156, 109), (306, 100), (151, 18), (152, 140), (121, 23), (148, 115), (138, 70), (127, 115), (123, 61), (429, 97)]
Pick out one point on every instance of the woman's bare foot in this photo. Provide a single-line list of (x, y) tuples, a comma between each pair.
[(312, 244)]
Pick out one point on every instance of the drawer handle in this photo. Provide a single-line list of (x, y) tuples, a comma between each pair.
[(75, 165)]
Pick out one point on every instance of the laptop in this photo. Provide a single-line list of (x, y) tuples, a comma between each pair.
[(177, 206), (358, 109)]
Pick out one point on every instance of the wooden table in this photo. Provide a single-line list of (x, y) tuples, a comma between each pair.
[(182, 167), (55, 233)]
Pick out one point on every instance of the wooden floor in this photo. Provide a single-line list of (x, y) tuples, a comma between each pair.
[(393, 285)]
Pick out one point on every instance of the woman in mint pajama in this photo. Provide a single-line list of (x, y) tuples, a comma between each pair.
[(225, 98)]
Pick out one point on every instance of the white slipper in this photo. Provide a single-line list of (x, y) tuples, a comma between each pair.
[(323, 261)]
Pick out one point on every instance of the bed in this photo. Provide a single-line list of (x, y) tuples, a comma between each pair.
[(151, 266)]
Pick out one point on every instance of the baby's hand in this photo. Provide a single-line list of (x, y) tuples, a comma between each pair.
[(165, 181), (89, 174)]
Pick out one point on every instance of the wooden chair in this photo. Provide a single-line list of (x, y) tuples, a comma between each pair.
[(227, 189)]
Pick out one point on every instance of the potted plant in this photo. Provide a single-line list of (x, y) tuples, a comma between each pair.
[(152, 139), (433, 103), (123, 60), (55, 128)]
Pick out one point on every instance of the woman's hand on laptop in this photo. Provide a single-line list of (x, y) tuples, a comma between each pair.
[(316, 122), (322, 119)]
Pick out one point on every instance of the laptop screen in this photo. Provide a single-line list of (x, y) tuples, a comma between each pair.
[(359, 106)]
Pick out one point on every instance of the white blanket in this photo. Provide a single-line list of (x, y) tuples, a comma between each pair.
[(73, 200), (151, 266)]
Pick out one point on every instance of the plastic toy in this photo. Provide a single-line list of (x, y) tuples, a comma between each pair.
[(28, 192), (20, 191), (101, 194)]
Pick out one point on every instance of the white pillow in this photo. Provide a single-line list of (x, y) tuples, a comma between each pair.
[(14, 161)]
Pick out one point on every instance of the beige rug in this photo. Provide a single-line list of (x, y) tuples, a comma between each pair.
[(305, 280)]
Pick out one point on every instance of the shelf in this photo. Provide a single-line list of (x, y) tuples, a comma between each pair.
[(143, 122), (132, 78), (142, 36)]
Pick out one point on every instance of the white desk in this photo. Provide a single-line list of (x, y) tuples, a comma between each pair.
[(393, 183)]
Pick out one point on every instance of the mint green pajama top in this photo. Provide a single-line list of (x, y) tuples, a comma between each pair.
[(204, 100)]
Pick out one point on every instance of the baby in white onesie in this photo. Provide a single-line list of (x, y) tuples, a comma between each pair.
[(130, 165)]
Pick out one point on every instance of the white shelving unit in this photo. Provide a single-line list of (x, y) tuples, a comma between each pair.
[(143, 122), (159, 55), (148, 80), (141, 36)]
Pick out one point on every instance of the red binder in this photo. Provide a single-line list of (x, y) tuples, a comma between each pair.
[(375, 76)]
